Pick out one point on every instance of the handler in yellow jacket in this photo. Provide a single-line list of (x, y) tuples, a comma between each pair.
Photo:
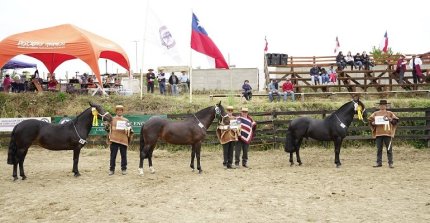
[(383, 124), (120, 134), (228, 136)]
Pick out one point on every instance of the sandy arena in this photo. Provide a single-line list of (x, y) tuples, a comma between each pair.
[(269, 191)]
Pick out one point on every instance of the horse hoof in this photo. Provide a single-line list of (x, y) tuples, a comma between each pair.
[(338, 165), (77, 174), (23, 177), (152, 169), (291, 164), (141, 171), (192, 169), (300, 164), (200, 171), (15, 178)]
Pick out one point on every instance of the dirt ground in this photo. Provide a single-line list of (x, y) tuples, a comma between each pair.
[(269, 191)]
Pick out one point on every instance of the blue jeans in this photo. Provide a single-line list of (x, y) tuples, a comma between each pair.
[(174, 89), (162, 86), (277, 94), (289, 93)]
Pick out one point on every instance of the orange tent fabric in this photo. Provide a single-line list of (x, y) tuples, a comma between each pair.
[(55, 45)]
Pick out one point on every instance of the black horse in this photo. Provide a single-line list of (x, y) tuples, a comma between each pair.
[(71, 135), (332, 128), (191, 131)]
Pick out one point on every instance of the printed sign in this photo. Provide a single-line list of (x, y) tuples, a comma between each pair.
[(7, 124), (380, 120)]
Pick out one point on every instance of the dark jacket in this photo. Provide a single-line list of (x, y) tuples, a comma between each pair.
[(176, 81)]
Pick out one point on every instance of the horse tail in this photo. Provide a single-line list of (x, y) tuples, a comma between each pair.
[(289, 141), (142, 143), (11, 156)]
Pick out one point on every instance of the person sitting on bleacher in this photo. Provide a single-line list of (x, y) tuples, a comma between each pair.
[(367, 63), (332, 75), (273, 90), (247, 90), (358, 61), (349, 59), (315, 75), (324, 76), (340, 61), (288, 89)]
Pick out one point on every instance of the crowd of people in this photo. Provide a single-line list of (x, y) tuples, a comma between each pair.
[(358, 61), (173, 82)]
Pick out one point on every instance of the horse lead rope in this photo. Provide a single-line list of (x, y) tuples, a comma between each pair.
[(341, 123)]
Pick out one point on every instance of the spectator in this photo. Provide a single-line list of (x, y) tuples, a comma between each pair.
[(52, 84), (273, 90), (340, 61), (183, 79), (332, 75), (415, 64), (228, 136), (84, 81), (150, 78), (349, 59), (120, 135), (288, 89), (161, 77), (247, 90), (383, 124), (315, 75), (7, 82), (174, 81), (324, 76), (401, 68), (17, 84), (358, 61), (91, 83), (367, 63), (247, 132)]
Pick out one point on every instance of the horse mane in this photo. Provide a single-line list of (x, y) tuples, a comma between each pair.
[(201, 113), (75, 120), (343, 107)]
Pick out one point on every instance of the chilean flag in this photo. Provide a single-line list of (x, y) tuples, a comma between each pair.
[(201, 42), (384, 43)]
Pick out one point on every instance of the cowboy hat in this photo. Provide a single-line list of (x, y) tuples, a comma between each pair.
[(119, 107), (244, 109), (383, 102), (229, 107), (150, 69)]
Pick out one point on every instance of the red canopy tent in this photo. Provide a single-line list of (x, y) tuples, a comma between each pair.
[(55, 45)]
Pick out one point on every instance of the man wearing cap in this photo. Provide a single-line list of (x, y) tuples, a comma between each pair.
[(150, 78), (401, 67), (120, 134), (383, 124), (228, 136), (247, 130)]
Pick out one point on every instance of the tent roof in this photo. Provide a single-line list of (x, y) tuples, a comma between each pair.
[(13, 64), (55, 45)]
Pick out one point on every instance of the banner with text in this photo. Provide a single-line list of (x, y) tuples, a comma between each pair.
[(7, 124)]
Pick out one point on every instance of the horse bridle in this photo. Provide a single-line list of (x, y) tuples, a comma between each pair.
[(356, 104), (218, 113)]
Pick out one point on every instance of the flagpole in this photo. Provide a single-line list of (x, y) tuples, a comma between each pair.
[(143, 50), (190, 68)]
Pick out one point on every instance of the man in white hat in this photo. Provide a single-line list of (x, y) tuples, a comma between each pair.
[(120, 135)]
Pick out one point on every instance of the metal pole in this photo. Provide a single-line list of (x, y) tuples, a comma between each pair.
[(137, 65)]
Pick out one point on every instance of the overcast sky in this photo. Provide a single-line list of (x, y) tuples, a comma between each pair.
[(238, 28)]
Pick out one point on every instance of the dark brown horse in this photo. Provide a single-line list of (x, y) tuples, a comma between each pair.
[(71, 135), (191, 131), (332, 128)]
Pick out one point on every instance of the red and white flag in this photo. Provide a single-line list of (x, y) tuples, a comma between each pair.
[(336, 49), (384, 43), (266, 46)]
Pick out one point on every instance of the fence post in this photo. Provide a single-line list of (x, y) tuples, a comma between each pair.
[(274, 116), (427, 132)]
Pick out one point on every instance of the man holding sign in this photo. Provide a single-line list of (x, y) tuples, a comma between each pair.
[(120, 134), (383, 124)]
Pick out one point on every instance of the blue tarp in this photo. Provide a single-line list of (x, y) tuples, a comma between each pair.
[(13, 64)]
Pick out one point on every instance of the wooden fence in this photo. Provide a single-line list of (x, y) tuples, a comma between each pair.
[(272, 126)]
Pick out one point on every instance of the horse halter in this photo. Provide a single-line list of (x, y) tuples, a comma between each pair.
[(103, 115), (359, 109), (218, 114)]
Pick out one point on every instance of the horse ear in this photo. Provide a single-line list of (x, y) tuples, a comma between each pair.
[(92, 104), (219, 103)]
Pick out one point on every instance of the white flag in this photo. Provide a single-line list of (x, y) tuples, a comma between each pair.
[(158, 34)]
